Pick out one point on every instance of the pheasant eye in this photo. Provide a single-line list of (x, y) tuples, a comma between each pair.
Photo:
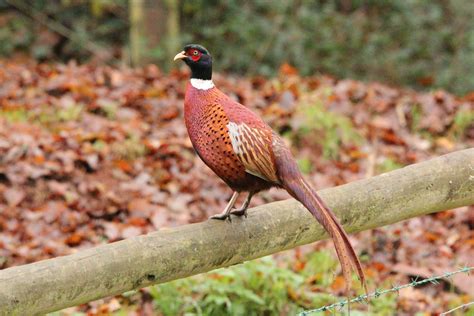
[(195, 55)]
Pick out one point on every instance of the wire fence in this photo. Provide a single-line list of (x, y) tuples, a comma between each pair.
[(378, 293)]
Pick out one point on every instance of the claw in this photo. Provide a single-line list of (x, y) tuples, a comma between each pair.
[(221, 217), (225, 215), (242, 211), (239, 212)]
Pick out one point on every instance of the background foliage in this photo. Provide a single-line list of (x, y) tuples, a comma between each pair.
[(414, 42)]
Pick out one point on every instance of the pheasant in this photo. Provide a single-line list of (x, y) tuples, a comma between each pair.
[(248, 155)]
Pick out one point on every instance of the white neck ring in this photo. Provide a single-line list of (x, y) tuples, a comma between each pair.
[(202, 84)]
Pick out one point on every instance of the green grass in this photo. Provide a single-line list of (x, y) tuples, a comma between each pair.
[(259, 287), (254, 288)]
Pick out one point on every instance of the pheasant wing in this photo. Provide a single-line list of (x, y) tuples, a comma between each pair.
[(253, 147)]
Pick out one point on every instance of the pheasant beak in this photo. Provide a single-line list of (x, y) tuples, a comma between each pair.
[(180, 55)]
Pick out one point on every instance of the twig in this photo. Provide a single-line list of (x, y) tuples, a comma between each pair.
[(456, 308)]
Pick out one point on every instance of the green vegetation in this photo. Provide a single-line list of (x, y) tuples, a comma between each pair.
[(305, 165), (404, 42), (44, 116), (253, 288), (328, 129), (14, 115), (416, 112), (129, 149), (107, 109), (387, 165), (264, 287), (259, 287), (55, 115), (463, 120), (416, 42)]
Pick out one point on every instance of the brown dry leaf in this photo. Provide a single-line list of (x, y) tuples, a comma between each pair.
[(131, 231), (74, 239), (137, 221), (408, 297), (412, 271), (338, 284), (430, 236), (124, 165), (445, 143), (379, 266), (112, 231), (141, 207), (159, 218), (13, 196), (287, 70), (298, 266)]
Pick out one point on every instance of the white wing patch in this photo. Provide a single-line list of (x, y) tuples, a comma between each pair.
[(252, 146), (235, 131)]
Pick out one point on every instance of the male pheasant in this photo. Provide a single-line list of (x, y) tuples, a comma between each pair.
[(248, 155)]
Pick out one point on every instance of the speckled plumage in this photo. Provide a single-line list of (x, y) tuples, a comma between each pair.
[(244, 152), (207, 116)]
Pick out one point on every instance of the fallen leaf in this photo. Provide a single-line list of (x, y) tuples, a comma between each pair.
[(14, 196)]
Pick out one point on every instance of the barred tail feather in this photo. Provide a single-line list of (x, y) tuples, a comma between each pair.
[(354, 258), (303, 192)]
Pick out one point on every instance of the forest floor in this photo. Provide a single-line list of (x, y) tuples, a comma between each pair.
[(93, 154)]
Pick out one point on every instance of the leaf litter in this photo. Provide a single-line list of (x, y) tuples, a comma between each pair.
[(92, 154)]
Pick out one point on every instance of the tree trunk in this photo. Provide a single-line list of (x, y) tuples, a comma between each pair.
[(172, 37), (154, 31), (137, 31)]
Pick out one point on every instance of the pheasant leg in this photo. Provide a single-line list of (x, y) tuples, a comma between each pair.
[(226, 213), (242, 211)]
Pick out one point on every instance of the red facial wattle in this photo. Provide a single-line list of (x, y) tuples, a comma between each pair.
[(194, 54)]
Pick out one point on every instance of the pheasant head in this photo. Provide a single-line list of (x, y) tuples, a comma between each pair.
[(198, 59)]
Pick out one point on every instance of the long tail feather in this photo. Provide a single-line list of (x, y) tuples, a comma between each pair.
[(303, 192)]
